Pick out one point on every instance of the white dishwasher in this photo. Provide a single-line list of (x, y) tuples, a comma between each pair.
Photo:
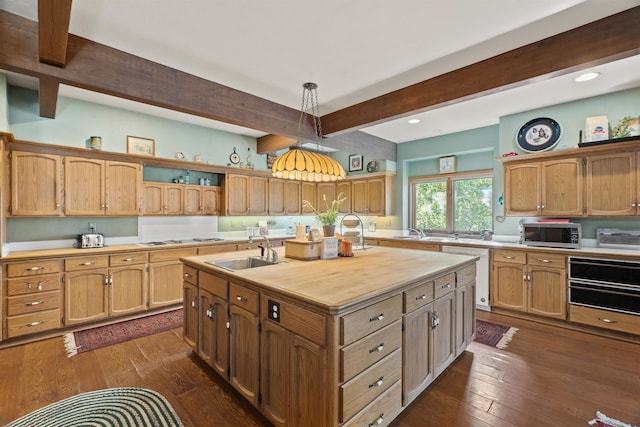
[(482, 271)]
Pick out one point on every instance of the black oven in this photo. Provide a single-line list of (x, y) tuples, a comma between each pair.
[(605, 284)]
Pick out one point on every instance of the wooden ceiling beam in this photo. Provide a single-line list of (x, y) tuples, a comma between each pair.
[(99, 68), (53, 31), (606, 40), (48, 97)]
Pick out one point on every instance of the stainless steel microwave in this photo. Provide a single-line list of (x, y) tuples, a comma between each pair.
[(552, 234)]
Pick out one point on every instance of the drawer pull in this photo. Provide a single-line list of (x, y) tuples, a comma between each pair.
[(128, 259), (35, 323), (241, 298), (423, 296), (34, 268), (605, 320), (448, 285), (377, 422), (548, 261), (187, 275), (508, 257), (39, 286), (378, 348), (87, 263), (30, 304), (378, 317), (377, 383)]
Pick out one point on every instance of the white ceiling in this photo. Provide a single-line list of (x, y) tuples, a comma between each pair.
[(354, 50)]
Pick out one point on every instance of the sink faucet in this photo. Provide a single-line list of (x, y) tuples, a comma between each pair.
[(418, 232), (270, 249)]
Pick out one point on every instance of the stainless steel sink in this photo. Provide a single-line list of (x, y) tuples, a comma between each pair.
[(406, 237), (243, 263)]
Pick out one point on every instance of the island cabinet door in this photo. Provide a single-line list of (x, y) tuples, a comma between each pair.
[(275, 370), (443, 324), (243, 352), (417, 349), (213, 344), (308, 383), (190, 310), (465, 316)]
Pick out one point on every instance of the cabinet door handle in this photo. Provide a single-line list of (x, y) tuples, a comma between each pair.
[(30, 304), (378, 317), (34, 268), (187, 275), (605, 320), (378, 421), (39, 286), (378, 348), (377, 383), (35, 323), (194, 304), (524, 276), (84, 264), (241, 298)]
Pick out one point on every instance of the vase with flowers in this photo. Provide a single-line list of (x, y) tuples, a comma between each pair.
[(329, 215)]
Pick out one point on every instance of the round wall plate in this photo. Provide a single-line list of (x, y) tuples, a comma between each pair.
[(539, 134), (372, 166)]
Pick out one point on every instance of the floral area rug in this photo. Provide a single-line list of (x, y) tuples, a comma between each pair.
[(91, 339), (493, 334), (602, 420), (116, 407)]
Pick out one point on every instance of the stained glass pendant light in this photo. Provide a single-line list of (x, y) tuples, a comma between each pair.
[(304, 165)]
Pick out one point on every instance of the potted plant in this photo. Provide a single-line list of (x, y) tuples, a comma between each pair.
[(329, 215), (627, 126)]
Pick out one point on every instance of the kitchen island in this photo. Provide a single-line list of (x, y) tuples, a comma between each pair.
[(347, 341)]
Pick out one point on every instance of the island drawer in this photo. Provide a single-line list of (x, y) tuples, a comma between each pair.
[(85, 263), (208, 282), (243, 297), (301, 322), (547, 259), (418, 296), (32, 268), (190, 274), (444, 285), (369, 350), (363, 389), (31, 285), (369, 319), (381, 411), (466, 275), (171, 254), (24, 304), (31, 323), (128, 258), (505, 255)]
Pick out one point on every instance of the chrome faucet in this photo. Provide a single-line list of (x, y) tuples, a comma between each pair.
[(270, 249), (418, 232)]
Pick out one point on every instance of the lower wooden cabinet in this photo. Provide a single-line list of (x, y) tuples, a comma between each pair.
[(213, 319), (190, 315)]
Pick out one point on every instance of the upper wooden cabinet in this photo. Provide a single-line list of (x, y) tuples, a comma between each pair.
[(36, 184), (309, 191), (246, 194), (284, 197), (163, 199), (201, 200), (547, 188), (98, 187), (372, 195), (344, 187), (612, 184)]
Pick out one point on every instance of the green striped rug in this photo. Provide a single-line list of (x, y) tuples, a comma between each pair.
[(112, 407)]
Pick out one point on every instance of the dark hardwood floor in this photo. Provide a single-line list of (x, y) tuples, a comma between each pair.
[(547, 376)]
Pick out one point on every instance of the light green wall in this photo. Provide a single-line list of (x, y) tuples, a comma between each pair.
[(4, 113)]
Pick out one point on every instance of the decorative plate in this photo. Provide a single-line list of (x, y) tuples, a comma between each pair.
[(234, 158), (372, 166), (539, 134)]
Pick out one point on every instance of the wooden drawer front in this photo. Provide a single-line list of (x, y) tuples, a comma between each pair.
[(381, 411), (547, 259), (369, 350), (369, 319), (304, 323), (190, 274), (605, 319), (36, 284), (466, 275), (516, 257), (418, 296), (32, 323), (31, 268), (243, 297), (444, 285), (215, 249), (171, 254), (209, 282), (128, 258), (33, 303), (366, 387), (85, 263)]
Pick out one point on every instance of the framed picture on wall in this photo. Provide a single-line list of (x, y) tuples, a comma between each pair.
[(355, 162), (141, 146)]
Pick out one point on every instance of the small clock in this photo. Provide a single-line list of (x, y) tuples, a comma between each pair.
[(234, 158), (180, 155), (448, 164)]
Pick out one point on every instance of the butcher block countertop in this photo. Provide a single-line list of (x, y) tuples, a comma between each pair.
[(335, 285)]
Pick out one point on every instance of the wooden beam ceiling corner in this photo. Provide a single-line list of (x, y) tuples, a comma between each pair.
[(269, 143), (53, 31)]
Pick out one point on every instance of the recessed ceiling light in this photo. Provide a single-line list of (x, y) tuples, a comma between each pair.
[(586, 77), (413, 121)]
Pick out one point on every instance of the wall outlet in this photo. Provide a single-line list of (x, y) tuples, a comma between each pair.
[(92, 227)]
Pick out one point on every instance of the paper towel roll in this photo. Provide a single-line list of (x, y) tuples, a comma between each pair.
[(301, 232)]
